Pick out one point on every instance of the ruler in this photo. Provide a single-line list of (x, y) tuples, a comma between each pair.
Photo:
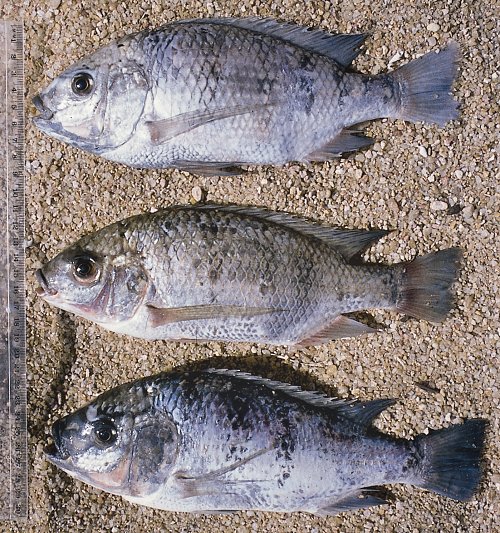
[(13, 430)]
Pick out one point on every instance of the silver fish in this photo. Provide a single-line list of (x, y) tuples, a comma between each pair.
[(238, 274), (206, 95), (222, 440)]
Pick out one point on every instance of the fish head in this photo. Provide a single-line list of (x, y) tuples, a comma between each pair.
[(118, 443), (97, 103), (98, 278)]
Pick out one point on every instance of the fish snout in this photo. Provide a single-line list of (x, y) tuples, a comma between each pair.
[(44, 289), (45, 112), (57, 450)]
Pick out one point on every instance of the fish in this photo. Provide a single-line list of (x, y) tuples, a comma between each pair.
[(222, 440), (242, 274), (209, 95)]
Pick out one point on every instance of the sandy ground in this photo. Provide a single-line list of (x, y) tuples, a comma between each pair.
[(395, 184)]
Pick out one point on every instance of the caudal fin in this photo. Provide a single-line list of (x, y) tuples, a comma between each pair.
[(425, 86), (426, 282), (451, 459)]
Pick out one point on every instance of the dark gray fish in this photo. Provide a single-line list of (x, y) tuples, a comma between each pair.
[(206, 95), (222, 440), (238, 274)]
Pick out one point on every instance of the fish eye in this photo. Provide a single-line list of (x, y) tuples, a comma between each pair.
[(82, 84), (85, 269), (104, 432)]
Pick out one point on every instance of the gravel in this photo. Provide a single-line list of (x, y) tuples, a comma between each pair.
[(441, 373)]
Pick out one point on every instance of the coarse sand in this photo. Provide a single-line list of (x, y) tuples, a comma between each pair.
[(435, 187)]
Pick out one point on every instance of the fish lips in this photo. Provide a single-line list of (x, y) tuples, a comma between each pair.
[(45, 112), (45, 120), (43, 290), (56, 452)]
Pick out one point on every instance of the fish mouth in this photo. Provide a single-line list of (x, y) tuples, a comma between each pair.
[(43, 290), (45, 112), (55, 452)]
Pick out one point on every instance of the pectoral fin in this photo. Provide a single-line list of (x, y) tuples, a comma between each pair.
[(168, 315), (161, 131), (210, 482)]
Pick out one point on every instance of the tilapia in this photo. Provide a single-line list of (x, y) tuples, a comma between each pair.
[(207, 95), (238, 274), (219, 440)]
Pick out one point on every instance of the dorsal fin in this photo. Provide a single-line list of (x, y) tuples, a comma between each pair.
[(348, 242), (360, 413), (342, 48)]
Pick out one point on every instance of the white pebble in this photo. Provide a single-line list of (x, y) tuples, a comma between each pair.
[(396, 57), (438, 205), (468, 211), (197, 193), (433, 26), (422, 151)]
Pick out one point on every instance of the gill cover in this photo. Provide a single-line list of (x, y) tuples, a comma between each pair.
[(126, 97), (121, 294), (154, 451)]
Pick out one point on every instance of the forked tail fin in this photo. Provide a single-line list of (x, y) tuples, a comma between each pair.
[(425, 285), (425, 87), (451, 459)]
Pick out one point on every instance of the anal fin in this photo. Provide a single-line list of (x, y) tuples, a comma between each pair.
[(369, 497), (339, 328), (348, 140)]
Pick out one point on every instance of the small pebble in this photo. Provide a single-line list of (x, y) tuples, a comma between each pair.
[(438, 205), (197, 193), (396, 57), (393, 205), (433, 26), (422, 151), (468, 211)]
